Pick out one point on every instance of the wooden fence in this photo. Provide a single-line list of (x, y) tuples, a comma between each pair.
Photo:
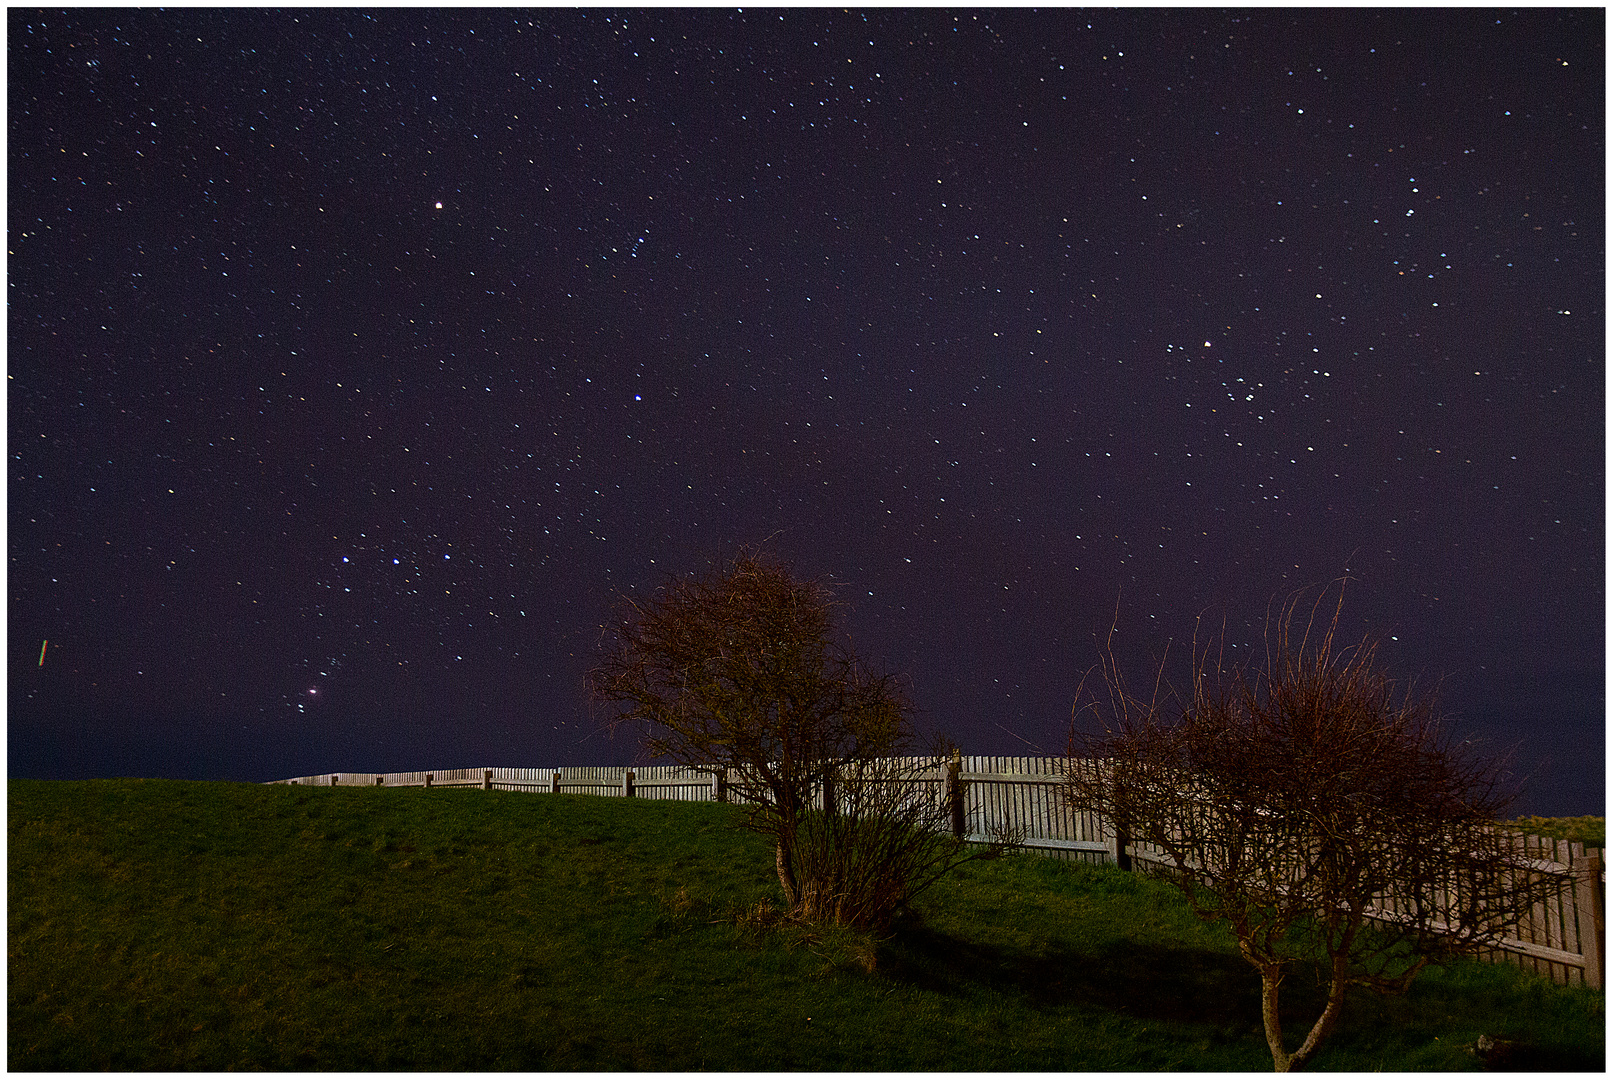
[(1564, 939)]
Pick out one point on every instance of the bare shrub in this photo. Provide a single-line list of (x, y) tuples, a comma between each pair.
[(879, 840), (1313, 810)]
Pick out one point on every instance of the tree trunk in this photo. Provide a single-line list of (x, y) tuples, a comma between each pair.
[(1330, 1015), (1271, 977), (786, 876), (1271, 980)]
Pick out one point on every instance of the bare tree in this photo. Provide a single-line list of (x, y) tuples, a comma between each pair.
[(1316, 812), (738, 673)]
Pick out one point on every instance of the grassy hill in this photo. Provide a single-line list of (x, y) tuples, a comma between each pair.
[(1590, 831), (173, 925)]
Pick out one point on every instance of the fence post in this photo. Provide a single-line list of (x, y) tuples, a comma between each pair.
[(1121, 841), (1589, 904), (554, 783), (719, 786), (1116, 833), (955, 793), (627, 784), (487, 779)]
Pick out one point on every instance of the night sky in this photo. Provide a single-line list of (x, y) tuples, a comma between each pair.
[(359, 359)]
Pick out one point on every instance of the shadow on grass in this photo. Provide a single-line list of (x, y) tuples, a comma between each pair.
[(1146, 982), (1522, 1057), (1215, 995)]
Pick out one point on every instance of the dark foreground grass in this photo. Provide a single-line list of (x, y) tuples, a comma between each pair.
[(171, 925)]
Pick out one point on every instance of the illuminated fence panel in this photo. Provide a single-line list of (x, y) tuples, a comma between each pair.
[(1562, 938), (674, 782), (517, 779), (458, 778), (592, 780), (1023, 797), (439, 778)]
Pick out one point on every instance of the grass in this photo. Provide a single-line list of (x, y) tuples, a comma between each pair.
[(172, 925), (1590, 831)]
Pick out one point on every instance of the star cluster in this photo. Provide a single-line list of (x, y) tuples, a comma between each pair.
[(359, 359)]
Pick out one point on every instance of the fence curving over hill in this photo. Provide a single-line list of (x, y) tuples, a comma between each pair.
[(1563, 940)]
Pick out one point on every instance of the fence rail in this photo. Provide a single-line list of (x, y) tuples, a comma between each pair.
[(1564, 939)]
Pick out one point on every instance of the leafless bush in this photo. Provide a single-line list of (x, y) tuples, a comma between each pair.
[(1315, 811), (881, 838)]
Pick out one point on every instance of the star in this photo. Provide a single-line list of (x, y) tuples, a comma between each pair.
[(836, 360)]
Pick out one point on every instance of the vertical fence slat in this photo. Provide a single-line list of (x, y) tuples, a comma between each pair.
[(1562, 913), (1590, 898)]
